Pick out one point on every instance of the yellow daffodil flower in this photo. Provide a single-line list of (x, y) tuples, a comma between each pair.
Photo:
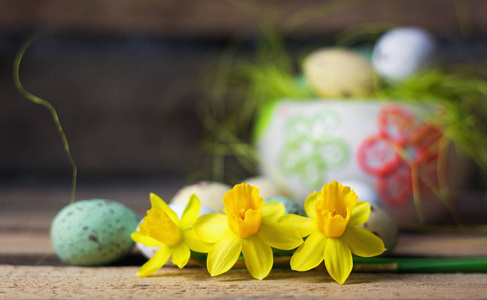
[(250, 227), (162, 227), (333, 233)]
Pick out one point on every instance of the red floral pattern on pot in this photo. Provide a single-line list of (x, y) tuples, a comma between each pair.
[(402, 148)]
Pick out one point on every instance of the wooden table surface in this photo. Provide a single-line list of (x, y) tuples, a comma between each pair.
[(30, 270)]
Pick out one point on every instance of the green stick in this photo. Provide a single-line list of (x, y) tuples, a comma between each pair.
[(420, 265), (46, 104), (389, 264)]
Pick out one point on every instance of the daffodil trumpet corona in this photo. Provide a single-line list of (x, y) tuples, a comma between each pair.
[(249, 226), (162, 228), (333, 235)]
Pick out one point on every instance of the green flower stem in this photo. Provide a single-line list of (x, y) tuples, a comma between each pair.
[(396, 265), (420, 265)]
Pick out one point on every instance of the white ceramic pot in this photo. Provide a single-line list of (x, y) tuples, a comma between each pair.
[(392, 146)]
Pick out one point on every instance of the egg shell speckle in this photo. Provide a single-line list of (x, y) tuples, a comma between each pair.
[(93, 232), (291, 206)]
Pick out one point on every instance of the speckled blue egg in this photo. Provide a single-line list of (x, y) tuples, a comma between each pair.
[(93, 232), (291, 206)]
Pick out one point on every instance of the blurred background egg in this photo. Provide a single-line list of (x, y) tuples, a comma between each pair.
[(291, 206), (93, 232), (209, 193), (364, 191), (267, 187), (178, 208), (383, 226), (402, 52), (339, 73), (380, 222)]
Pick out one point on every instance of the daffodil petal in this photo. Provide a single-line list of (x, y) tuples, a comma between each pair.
[(309, 204), (224, 254), (305, 226), (272, 211), (280, 235), (338, 259), (310, 254), (144, 239), (360, 214), (211, 228), (156, 262), (258, 257), (180, 255), (194, 242), (363, 242), (190, 212), (156, 201)]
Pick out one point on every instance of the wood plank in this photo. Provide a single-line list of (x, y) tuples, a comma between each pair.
[(24, 227), (446, 245), (21, 282), (31, 248), (27, 213), (223, 18)]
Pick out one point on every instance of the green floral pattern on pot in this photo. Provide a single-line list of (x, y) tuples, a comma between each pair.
[(312, 146)]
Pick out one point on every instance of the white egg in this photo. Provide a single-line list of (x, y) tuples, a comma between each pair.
[(364, 191), (178, 208), (266, 186), (209, 193), (401, 52), (382, 225), (147, 251)]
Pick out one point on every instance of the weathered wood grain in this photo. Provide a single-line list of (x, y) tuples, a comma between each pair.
[(22, 282)]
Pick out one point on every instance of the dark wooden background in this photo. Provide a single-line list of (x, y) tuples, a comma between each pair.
[(127, 76)]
